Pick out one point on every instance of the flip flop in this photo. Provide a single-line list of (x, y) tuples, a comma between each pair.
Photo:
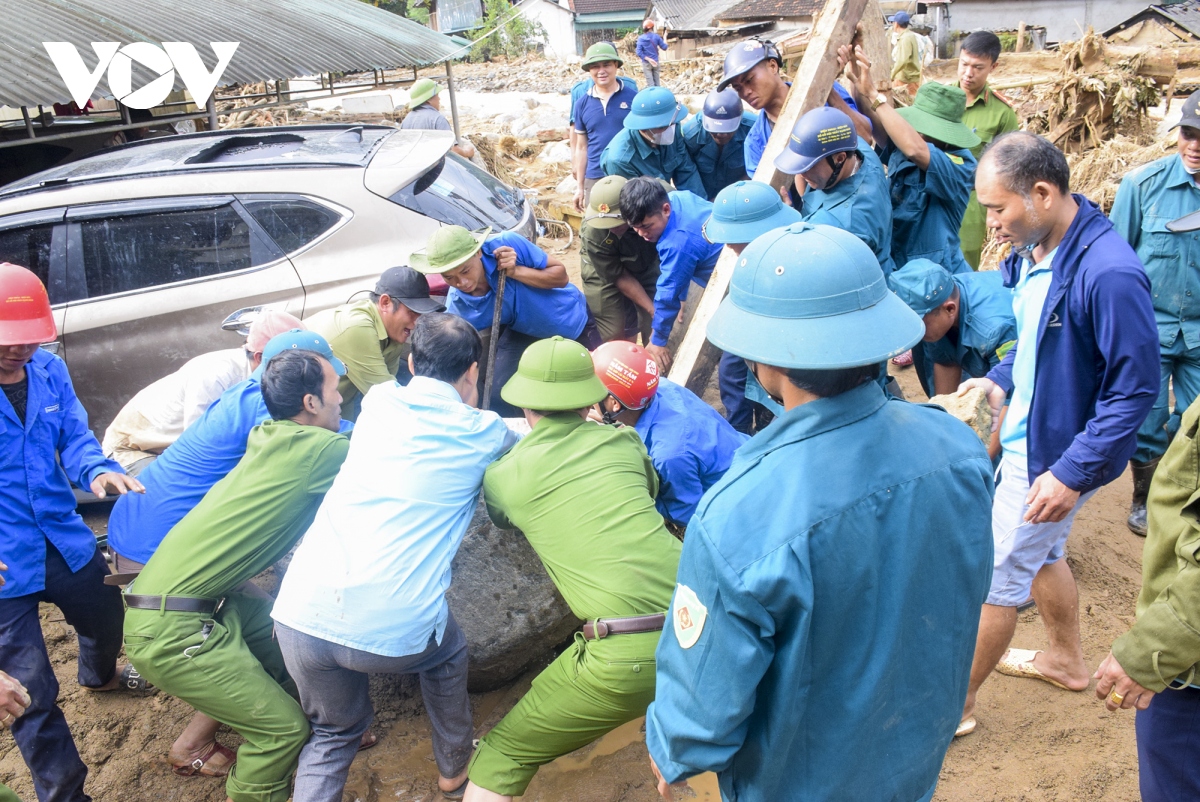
[(369, 740), (204, 765), (457, 793), (965, 727), (903, 360), (1019, 663), (128, 679)]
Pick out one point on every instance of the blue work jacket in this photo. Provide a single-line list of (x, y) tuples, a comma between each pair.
[(985, 325), (630, 155), (928, 206), (760, 132), (535, 311), (826, 608), (38, 461), (860, 204), (648, 45), (684, 256), (719, 165), (1148, 199), (691, 447), (1096, 373)]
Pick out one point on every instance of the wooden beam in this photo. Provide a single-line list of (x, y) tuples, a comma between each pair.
[(875, 42), (696, 357)]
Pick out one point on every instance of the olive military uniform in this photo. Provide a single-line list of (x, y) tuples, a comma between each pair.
[(603, 256)]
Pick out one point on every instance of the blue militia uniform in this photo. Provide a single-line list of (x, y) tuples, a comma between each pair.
[(719, 165), (760, 132), (630, 155), (860, 204), (1147, 200), (809, 612), (986, 325), (928, 206), (691, 447)]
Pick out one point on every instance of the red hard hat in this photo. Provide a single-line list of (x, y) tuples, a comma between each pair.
[(628, 373), (25, 316), (648, 24)]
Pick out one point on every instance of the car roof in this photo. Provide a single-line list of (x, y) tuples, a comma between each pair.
[(257, 148)]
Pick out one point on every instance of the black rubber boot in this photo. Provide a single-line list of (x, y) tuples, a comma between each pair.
[(1143, 472)]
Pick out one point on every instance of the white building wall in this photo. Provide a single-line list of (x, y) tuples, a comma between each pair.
[(1064, 20), (559, 24)]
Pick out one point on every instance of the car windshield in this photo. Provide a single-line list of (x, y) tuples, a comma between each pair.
[(456, 192)]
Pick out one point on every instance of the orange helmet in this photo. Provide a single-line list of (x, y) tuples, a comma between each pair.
[(25, 316), (627, 372), (648, 25)]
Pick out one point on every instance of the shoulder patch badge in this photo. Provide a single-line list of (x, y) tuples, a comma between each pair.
[(688, 616), (955, 159)]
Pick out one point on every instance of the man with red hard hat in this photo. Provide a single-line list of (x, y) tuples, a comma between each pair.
[(51, 554), (689, 442)]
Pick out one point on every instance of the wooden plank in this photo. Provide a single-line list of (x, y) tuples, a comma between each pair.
[(1020, 48), (876, 44), (696, 357)]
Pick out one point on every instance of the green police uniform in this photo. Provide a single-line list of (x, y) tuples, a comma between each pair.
[(358, 338), (603, 257), (989, 117), (583, 494), (227, 665)]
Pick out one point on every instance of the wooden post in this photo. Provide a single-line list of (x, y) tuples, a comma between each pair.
[(876, 45), (1020, 48), (696, 357)]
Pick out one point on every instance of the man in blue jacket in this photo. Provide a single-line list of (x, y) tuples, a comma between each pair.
[(689, 442), (1081, 379), (715, 138), (49, 553), (803, 633), (649, 144)]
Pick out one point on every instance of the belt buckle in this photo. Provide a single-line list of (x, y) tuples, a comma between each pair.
[(599, 629), (217, 609)]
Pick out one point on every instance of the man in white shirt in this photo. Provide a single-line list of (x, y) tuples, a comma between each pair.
[(365, 592), (155, 417)]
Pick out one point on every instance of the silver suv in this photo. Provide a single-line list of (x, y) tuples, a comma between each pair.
[(146, 248)]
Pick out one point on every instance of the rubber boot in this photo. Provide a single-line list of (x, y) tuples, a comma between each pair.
[(1143, 472)]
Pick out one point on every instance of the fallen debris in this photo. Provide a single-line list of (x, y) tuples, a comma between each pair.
[(971, 408)]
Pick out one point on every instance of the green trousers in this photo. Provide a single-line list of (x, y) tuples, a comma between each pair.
[(7, 795), (591, 689), (610, 308), (229, 668), (972, 230)]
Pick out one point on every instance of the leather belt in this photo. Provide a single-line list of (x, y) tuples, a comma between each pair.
[(121, 579), (603, 627), (174, 604)]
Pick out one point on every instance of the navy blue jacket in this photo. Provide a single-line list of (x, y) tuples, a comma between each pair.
[(1097, 356)]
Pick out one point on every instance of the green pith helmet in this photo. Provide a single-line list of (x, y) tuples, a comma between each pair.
[(554, 375), (422, 91), (604, 206), (447, 248), (601, 51)]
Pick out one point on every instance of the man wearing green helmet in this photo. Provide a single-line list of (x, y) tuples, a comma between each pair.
[(618, 267), (583, 495), (824, 591), (597, 115), (425, 112)]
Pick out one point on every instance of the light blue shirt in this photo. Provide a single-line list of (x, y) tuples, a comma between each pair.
[(1029, 296), (373, 569)]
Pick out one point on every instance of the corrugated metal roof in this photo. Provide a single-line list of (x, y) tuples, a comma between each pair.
[(768, 9), (278, 39), (692, 15), (600, 6), (1186, 15)]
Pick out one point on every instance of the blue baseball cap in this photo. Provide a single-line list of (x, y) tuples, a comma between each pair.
[(653, 107), (901, 17), (812, 297), (298, 340), (744, 211), (923, 285)]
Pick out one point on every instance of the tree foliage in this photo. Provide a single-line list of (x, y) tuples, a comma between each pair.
[(415, 10), (511, 34)]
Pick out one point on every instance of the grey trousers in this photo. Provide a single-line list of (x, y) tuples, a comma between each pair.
[(651, 73), (332, 680)]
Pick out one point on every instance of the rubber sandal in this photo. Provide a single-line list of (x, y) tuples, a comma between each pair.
[(369, 740), (903, 360), (1019, 663), (457, 793), (965, 727), (203, 765), (128, 679)]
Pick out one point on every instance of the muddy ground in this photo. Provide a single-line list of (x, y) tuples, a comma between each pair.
[(1034, 743)]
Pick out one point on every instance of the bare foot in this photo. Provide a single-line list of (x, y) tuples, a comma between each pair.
[(1074, 675)]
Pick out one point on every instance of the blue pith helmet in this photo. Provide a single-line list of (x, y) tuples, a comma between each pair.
[(743, 57), (814, 298), (819, 133), (722, 112), (744, 211), (653, 107)]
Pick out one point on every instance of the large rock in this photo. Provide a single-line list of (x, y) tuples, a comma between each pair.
[(505, 603), (971, 408)]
